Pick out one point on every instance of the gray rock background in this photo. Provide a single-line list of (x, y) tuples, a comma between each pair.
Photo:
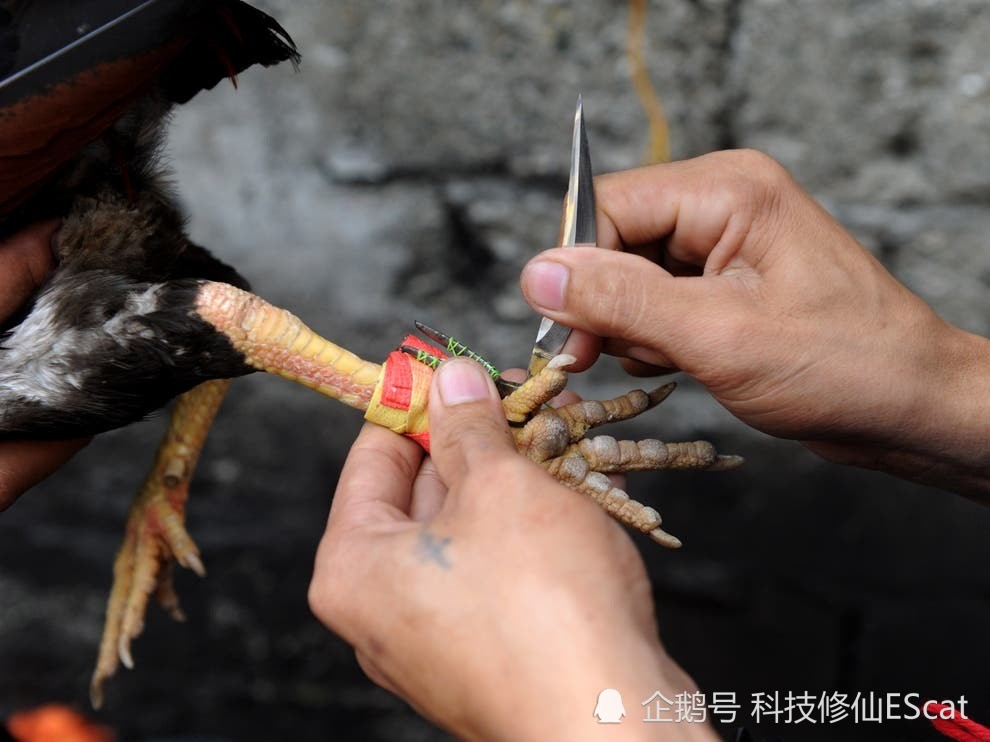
[(409, 169)]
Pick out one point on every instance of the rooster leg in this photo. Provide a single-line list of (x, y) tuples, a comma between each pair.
[(273, 340), (268, 339), (156, 533)]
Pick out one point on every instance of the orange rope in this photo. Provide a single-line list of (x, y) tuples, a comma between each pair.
[(658, 149)]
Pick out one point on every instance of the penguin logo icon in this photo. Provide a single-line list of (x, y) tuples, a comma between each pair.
[(609, 709)]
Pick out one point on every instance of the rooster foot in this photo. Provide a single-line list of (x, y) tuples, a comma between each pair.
[(155, 535), (556, 438)]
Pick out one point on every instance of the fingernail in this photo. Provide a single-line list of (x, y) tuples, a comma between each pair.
[(645, 355), (462, 381), (545, 282)]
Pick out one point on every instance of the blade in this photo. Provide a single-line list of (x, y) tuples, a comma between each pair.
[(579, 229), (579, 210)]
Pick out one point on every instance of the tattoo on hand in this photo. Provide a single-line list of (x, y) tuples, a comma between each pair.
[(433, 549)]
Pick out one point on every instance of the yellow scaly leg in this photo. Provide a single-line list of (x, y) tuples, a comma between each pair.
[(156, 532), (271, 340)]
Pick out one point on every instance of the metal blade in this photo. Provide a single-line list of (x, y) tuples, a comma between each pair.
[(579, 229), (579, 209)]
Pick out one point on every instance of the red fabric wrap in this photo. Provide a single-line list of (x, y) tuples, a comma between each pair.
[(404, 388), (397, 389)]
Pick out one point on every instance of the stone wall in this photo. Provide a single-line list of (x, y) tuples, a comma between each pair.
[(408, 170)]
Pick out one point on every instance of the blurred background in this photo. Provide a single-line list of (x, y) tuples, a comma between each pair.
[(408, 170)]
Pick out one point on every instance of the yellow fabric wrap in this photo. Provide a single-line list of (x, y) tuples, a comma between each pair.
[(400, 400)]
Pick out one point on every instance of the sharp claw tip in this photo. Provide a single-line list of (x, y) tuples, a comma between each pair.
[(96, 694), (193, 562), (124, 652), (665, 539), (727, 463), (661, 393), (562, 361)]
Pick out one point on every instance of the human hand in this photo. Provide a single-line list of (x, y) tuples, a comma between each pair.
[(25, 262), (723, 267), (493, 599)]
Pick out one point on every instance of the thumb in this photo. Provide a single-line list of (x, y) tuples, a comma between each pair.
[(25, 261), (467, 423), (620, 296)]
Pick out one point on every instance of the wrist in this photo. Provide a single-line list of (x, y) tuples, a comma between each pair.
[(947, 424), (959, 408), (561, 701)]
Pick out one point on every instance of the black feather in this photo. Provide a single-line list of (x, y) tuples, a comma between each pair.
[(49, 42), (231, 38), (70, 68), (9, 43)]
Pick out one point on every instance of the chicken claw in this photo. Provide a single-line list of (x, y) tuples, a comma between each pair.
[(156, 534)]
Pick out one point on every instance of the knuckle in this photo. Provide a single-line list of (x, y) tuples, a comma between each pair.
[(753, 181), (325, 594), (616, 298), (752, 160), (758, 165), (315, 596)]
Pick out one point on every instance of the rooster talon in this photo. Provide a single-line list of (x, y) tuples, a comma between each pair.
[(166, 596), (124, 652), (726, 463), (191, 560), (561, 361), (665, 539)]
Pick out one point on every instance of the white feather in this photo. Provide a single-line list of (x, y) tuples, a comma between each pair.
[(34, 359)]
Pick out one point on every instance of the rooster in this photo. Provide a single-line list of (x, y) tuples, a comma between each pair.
[(135, 314)]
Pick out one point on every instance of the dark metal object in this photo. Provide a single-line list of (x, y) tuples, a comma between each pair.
[(456, 349)]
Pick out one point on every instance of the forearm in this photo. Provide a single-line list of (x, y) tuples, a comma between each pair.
[(953, 449), (932, 424)]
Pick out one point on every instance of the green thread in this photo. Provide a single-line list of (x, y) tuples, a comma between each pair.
[(457, 348), (428, 359)]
